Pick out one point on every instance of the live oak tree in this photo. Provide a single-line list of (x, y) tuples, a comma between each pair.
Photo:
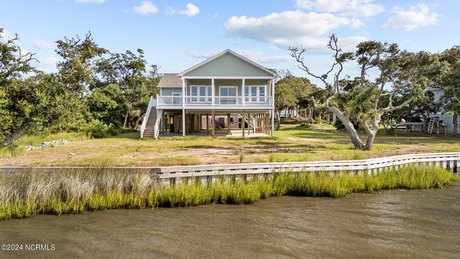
[(13, 62), (32, 106), (13, 65), (29, 105), (399, 76), (284, 99), (78, 62), (125, 73), (450, 83)]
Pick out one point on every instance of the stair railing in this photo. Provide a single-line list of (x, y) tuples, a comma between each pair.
[(152, 103)]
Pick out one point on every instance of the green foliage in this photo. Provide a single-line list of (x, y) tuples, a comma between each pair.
[(120, 79), (78, 55), (105, 104), (13, 63), (450, 82), (98, 129), (11, 150), (73, 191), (401, 78), (293, 92), (93, 91), (32, 106)]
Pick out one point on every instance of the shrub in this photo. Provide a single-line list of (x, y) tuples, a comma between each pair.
[(98, 129)]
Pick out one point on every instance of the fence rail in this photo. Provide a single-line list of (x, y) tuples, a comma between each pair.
[(206, 173), (175, 174)]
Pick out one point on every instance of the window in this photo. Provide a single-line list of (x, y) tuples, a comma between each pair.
[(201, 93), (262, 93), (194, 93), (177, 98), (255, 93)]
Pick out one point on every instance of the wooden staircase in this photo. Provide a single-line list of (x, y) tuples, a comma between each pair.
[(149, 131), (433, 121)]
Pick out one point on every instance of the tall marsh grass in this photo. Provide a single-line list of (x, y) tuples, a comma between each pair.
[(37, 192)]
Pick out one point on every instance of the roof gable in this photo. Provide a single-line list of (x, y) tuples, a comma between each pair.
[(228, 63)]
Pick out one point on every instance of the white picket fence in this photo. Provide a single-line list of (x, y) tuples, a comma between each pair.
[(205, 173)]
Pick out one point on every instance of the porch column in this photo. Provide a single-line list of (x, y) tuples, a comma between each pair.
[(207, 124), (183, 122), (272, 114), (243, 90), (228, 123), (213, 91), (249, 124), (273, 107), (213, 123), (183, 92), (243, 124)]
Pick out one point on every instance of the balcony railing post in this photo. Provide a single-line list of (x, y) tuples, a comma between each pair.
[(243, 90), (213, 91)]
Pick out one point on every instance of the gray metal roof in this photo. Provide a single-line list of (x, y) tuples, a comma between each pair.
[(170, 80)]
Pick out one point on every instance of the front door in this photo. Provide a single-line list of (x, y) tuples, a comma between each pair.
[(177, 98), (228, 94)]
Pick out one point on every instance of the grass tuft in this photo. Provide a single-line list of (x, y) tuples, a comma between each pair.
[(34, 192)]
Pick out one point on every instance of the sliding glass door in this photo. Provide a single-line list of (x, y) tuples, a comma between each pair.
[(228, 94)]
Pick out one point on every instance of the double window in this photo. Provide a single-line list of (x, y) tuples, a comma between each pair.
[(201, 93), (255, 93)]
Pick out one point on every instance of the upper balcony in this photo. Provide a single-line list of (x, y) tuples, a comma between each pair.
[(217, 101)]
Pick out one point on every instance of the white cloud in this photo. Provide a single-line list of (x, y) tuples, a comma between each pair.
[(214, 15), (49, 61), (293, 28), (89, 1), (356, 23), (190, 10), (42, 44), (257, 56), (364, 8), (316, 45), (202, 54), (145, 8), (412, 18), (283, 25)]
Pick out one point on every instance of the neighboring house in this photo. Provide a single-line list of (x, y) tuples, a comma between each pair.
[(443, 116), (224, 93)]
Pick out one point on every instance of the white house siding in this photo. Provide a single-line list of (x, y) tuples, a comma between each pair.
[(445, 117)]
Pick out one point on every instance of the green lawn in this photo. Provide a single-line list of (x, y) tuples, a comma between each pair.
[(291, 143)]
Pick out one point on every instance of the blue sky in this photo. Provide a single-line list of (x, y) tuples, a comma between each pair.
[(178, 34)]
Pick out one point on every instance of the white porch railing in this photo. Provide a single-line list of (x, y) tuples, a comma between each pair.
[(156, 128), (218, 100), (152, 103)]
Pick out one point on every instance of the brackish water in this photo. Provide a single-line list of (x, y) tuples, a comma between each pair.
[(396, 223)]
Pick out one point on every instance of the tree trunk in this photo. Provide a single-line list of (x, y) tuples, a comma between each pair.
[(455, 123), (349, 127), (126, 119), (278, 120), (371, 132), (370, 140), (14, 136)]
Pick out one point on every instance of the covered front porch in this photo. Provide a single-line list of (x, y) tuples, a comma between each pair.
[(232, 123)]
